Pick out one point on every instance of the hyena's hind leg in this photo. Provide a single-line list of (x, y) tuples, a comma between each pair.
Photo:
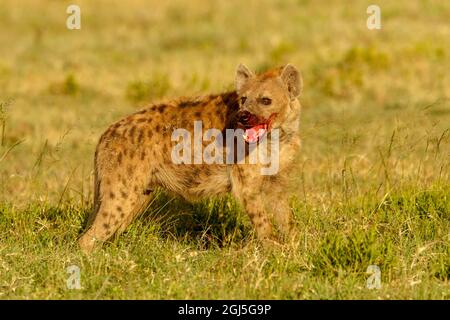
[(117, 203)]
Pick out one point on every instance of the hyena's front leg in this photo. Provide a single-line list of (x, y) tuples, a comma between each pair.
[(278, 206), (255, 209)]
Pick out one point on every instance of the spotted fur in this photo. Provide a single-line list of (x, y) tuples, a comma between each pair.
[(133, 156)]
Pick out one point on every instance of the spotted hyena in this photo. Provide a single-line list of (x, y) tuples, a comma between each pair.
[(135, 155)]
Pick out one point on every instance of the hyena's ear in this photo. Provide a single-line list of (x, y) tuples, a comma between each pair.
[(293, 80), (243, 74)]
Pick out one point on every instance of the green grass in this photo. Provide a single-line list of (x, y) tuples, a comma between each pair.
[(373, 180), (210, 252)]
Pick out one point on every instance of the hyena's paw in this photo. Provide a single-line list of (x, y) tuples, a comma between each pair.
[(269, 244), (288, 236), (88, 243)]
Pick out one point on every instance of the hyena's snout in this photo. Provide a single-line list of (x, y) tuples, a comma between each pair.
[(254, 126)]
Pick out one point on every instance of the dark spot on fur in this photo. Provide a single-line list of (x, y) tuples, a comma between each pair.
[(161, 108), (140, 120), (206, 170), (132, 152), (188, 103), (132, 131), (189, 181), (143, 154), (158, 128), (112, 132), (106, 143), (150, 134), (148, 191), (141, 135), (119, 158), (123, 194), (165, 149), (213, 96), (197, 113), (197, 170), (111, 195), (230, 99), (106, 225), (122, 215), (205, 103), (220, 114)]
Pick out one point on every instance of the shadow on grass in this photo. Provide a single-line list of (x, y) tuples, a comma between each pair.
[(216, 222), (209, 223)]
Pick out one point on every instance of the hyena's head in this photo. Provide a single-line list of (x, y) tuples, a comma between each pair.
[(268, 100)]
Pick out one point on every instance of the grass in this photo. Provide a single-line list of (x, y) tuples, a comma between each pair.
[(372, 185)]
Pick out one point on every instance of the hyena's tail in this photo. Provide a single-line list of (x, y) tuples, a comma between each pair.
[(96, 199)]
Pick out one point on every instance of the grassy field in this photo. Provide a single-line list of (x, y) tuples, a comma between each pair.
[(373, 185)]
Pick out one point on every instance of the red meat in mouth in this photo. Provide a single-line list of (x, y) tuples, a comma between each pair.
[(254, 127)]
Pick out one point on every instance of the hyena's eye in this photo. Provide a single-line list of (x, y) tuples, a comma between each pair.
[(266, 101), (243, 99)]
